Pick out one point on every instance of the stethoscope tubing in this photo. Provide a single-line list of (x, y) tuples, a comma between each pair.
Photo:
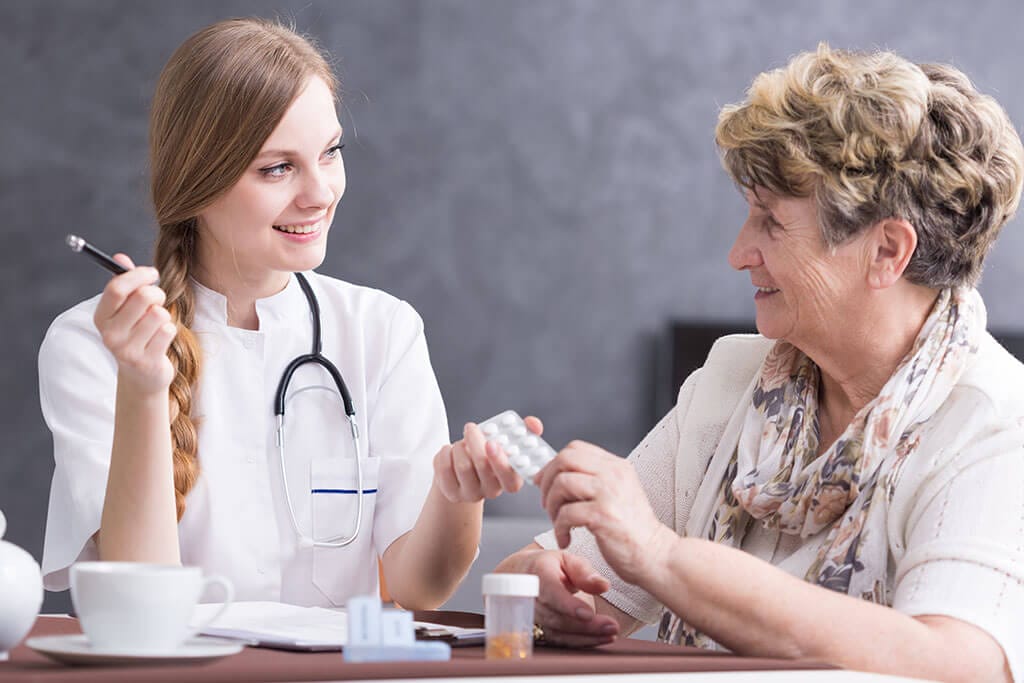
[(317, 358)]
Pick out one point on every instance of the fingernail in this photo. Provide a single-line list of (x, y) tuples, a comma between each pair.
[(584, 613), (609, 629)]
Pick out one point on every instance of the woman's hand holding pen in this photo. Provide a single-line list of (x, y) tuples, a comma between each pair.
[(136, 328), (473, 469)]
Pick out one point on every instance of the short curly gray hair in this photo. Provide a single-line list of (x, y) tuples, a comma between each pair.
[(872, 136)]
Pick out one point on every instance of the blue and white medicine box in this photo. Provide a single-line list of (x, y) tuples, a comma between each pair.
[(386, 635)]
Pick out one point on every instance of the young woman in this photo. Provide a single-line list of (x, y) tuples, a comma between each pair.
[(163, 398)]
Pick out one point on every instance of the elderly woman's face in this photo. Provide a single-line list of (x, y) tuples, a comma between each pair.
[(803, 286)]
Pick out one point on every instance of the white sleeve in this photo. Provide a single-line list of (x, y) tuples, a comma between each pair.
[(654, 460), (964, 556), (77, 386), (407, 427)]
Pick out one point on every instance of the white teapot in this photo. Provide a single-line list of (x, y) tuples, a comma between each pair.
[(21, 592)]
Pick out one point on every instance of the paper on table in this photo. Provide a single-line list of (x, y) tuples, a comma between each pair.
[(275, 624), (456, 636), (311, 629)]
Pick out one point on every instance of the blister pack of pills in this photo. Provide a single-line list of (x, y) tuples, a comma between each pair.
[(526, 451)]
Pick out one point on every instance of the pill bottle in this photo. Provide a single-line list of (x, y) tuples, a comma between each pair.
[(508, 614)]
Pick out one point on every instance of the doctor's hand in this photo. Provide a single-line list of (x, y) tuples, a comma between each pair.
[(564, 607), (586, 486), (136, 328), (472, 469)]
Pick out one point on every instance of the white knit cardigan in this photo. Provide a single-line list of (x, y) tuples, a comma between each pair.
[(954, 512)]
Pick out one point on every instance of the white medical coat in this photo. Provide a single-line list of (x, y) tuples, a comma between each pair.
[(236, 521)]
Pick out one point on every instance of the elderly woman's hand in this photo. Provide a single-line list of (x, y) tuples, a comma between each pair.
[(564, 609), (472, 469), (586, 486)]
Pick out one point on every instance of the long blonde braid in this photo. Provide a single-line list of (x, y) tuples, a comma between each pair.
[(174, 252)]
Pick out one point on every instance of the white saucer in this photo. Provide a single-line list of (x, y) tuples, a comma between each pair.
[(75, 649)]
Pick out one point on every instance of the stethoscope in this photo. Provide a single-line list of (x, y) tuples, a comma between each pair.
[(317, 358)]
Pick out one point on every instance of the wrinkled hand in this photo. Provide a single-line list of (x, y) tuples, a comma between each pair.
[(136, 327), (568, 619), (586, 486), (472, 469)]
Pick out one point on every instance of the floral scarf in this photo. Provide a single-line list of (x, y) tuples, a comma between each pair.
[(776, 477)]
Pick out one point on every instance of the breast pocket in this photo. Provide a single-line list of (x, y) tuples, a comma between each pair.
[(340, 573)]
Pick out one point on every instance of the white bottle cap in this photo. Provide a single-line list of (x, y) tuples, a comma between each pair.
[(522, 585)]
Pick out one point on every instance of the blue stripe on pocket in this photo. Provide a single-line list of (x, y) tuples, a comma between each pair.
[(350, 491)]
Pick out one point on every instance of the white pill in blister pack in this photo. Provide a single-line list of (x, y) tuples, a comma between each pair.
[(526, 451)]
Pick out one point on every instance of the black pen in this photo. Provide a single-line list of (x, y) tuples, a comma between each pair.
[(78, 244)]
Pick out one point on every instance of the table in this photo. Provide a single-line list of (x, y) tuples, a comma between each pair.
[(632, 660)]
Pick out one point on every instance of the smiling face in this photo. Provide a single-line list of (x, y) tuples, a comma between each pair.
[(804, 287), (275, 219)]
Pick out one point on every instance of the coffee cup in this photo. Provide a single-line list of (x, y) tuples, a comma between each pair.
[(139, 607)]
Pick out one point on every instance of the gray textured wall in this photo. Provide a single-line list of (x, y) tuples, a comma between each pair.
[(537, 178)]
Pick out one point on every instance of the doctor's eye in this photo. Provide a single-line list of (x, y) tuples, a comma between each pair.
[(335, 151), (276, 171)]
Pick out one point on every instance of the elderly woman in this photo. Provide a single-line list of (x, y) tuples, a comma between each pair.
[(849, 485)]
